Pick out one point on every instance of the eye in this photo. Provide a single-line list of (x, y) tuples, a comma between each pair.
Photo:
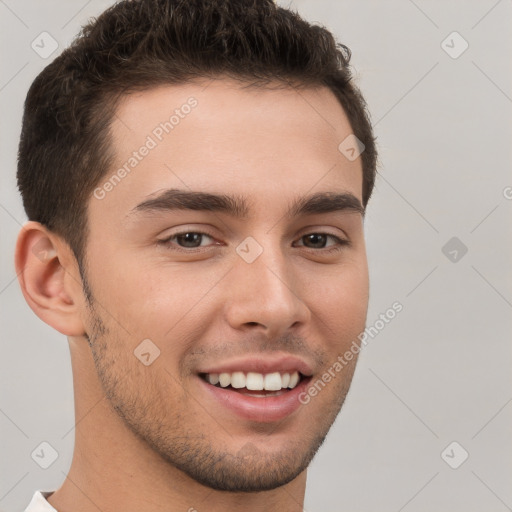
[(186, 240), (319, 240)]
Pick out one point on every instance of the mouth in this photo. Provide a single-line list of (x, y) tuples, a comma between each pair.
[(254, 384), (258, 391)]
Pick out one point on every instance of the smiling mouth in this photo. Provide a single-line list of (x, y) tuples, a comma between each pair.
[(255, 384)]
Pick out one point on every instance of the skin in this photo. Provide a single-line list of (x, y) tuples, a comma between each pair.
[(146, 436)]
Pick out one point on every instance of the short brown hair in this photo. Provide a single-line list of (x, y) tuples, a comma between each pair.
[(65, 146)]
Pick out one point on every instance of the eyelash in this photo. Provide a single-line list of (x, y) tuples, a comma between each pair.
[(341, 243)]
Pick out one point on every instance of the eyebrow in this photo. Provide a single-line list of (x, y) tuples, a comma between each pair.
[(237, 206)]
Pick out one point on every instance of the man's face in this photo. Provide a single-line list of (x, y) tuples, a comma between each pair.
[(272, 291)]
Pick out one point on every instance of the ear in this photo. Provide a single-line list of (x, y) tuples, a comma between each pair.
[(50, 279)]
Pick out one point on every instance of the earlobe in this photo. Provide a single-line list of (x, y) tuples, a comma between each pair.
[(50, 283)]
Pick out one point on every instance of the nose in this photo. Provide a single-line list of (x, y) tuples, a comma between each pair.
[(266, 294)]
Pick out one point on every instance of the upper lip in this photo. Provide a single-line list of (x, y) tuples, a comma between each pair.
[(259, 364)]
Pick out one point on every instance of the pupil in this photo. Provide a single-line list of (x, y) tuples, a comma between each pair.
[(189, 238), (316, 239)]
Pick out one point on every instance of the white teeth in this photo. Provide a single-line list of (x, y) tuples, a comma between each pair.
[(294, 380), (272, 381), (213, 378), (255, 381), (238, 380), (225, 379)]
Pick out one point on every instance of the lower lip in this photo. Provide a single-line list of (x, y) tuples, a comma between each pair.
[(266, 409)]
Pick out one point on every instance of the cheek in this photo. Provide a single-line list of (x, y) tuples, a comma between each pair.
[(341, 303), (125, 292), (151, 300)]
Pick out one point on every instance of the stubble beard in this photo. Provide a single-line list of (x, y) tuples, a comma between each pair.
[(188, 447)]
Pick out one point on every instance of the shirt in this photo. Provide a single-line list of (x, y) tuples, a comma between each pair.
[(39, 502)]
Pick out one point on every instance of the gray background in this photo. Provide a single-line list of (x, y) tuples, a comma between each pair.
[(440, 371)]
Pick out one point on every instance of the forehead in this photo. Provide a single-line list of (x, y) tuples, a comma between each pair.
[(223, 135), (221, 98)]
